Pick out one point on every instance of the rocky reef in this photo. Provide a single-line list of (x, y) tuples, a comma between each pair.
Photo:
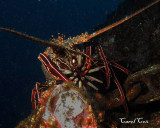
[(135, 44)]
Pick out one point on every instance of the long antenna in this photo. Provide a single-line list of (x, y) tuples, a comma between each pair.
[(42, 42), (32, 38), (121, 21)]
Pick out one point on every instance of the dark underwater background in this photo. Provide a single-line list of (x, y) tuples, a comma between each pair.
[(19, 67)]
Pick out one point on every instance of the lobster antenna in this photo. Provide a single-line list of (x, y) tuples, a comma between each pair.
[(121, 21), (32, 38), (42, 42)]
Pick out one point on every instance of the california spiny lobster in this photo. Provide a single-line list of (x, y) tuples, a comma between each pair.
[(73, 60)]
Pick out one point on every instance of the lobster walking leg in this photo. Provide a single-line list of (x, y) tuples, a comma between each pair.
[(35, 95), (105, 64), (54, 72), (88, 51), (46, 61), (126, 71), (108, 72), (123, 98)]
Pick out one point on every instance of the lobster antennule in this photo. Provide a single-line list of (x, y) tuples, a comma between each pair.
[(32, 38)]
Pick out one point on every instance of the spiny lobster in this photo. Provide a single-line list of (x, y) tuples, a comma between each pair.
[(72, 59)]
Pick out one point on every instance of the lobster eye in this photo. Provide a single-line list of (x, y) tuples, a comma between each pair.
[(73, 61)]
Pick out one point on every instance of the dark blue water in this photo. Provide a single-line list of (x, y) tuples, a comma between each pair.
[(19, 67)]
